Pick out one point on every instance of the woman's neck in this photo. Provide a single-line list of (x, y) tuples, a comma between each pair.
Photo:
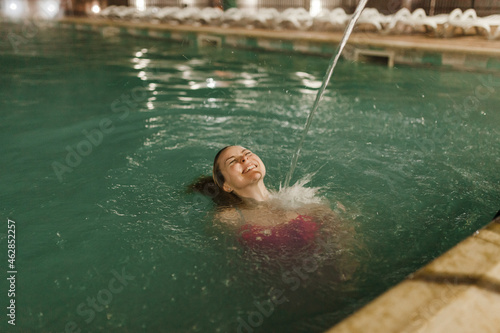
[(258, 192)]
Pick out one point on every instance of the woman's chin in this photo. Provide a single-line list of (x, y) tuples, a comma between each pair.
[(255, 176)]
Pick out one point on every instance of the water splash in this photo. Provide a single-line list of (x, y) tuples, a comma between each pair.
[(297, 195), (326, 79)]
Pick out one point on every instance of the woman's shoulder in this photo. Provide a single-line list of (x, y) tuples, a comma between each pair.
[(228, 216), (314, 209)]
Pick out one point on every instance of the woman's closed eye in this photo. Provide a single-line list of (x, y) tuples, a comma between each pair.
[(230, 161)]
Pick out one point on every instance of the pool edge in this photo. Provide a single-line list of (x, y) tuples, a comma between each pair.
[(457, 292), (467, 53)]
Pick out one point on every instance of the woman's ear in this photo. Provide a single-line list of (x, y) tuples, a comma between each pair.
[(227, 188)]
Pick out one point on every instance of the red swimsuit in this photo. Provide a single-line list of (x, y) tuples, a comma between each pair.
[(294, 234)]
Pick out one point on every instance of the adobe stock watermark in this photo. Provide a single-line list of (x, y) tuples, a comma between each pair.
[(103, 298), (93, 138), (29, 30), (293, 279)]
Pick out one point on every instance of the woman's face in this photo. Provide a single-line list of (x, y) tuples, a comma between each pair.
[(240, 168)]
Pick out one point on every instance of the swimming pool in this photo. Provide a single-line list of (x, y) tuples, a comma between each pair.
[(101, 135)]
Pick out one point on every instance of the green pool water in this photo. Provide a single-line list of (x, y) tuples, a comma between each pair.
[(100, 135)]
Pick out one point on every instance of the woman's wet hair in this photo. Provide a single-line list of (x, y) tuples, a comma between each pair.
[(216, 171), (207, 186), (211, 186)]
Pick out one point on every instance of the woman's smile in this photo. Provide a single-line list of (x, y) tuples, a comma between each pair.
[(249, 168)]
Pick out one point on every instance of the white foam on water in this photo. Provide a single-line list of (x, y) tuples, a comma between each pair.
[(297, 195)]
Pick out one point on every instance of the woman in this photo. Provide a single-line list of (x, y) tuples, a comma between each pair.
[(265, 225), (306, 248), (255, 213)]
